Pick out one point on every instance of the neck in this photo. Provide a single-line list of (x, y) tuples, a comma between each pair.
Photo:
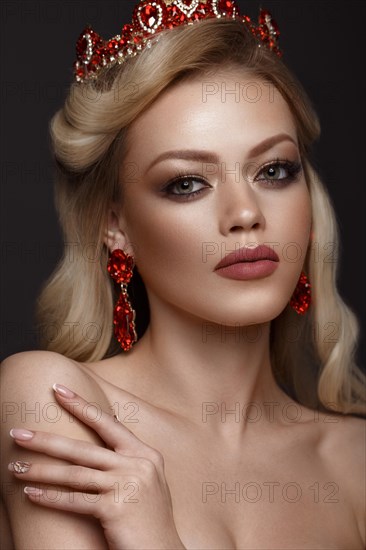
[(210, 374)]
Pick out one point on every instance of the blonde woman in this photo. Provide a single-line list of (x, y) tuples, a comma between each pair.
[(227, 416)]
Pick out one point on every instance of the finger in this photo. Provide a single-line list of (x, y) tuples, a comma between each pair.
[(115, 434), (66, 448), (77, 477), (81, 503)]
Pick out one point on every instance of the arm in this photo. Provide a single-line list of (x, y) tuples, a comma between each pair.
[(28, 402)]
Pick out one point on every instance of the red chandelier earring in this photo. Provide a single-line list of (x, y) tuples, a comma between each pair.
[(301, 297), (120, 267)]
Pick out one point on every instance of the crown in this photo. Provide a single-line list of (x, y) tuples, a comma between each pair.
[(148, 19)]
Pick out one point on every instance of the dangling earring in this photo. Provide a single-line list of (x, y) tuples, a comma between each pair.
[(120, 266), (301, 297)]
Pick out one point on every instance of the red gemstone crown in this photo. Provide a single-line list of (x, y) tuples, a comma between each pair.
[(149, 18)]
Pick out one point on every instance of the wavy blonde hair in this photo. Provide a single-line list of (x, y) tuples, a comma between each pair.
[(312, 355)]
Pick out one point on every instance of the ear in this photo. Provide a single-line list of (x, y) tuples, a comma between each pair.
[(115, 234)]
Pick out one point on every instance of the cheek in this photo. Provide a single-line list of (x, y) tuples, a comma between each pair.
[(301, 223), (291, 223), (166, 241)]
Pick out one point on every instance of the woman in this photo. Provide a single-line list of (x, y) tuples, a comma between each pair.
[(222, 422)]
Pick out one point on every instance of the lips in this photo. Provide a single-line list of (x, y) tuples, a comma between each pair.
[(245, 254)]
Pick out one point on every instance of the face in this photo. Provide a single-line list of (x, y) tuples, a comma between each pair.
[(241, 185)]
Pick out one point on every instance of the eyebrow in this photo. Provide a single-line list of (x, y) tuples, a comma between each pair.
[(207, 156)]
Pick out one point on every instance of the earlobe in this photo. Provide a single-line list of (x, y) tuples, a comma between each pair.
[(114, 240)]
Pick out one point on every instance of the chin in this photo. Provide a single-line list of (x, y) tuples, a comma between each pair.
[(245, 316)]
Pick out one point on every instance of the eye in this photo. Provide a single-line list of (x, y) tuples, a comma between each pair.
[(280, 172), (185, 187)]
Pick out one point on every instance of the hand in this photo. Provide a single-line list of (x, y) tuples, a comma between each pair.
[(123, 486)]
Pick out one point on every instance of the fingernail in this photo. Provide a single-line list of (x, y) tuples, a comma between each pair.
[(22, 435), (63, 391), (19, 467), (33, 491)]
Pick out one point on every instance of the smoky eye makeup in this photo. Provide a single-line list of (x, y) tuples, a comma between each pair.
[(279, 173), (185, 186), (274, 174)]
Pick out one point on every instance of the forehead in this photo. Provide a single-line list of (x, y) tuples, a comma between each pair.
[(228, 108)]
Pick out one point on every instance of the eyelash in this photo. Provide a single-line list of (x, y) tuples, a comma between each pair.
[(293, 169)]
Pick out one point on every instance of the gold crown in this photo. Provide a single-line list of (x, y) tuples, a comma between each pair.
[(149, 18)]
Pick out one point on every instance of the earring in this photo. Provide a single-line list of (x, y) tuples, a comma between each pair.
[(120, 267), (301, 297)]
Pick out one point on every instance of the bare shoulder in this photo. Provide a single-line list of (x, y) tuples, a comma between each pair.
[(344, 434), (37, 371), (27, 395), (28, 402), (344, 453)]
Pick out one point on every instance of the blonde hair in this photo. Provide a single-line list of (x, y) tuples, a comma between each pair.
[(90, 137)]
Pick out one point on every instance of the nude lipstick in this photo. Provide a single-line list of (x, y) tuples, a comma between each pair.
[(248, 263)]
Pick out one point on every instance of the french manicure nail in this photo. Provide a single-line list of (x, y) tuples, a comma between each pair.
[(33, 491), (22, 435), (63, 391), (19, 467)]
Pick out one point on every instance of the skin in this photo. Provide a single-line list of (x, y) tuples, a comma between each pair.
[(170, 388)]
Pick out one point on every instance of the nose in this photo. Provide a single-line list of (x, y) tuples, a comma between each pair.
[(239, 209)]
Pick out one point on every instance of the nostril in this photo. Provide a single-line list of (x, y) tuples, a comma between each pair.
[(236, 228)]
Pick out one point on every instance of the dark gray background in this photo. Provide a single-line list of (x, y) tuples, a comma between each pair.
[(323, 43)]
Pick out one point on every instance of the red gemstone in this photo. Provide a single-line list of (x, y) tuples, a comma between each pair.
[(205, 9), (262, 16), (137, 39), (227, 6), (82, 43), (126, 31), (124, 325), (81, 46), (301, 297), (202, 11), (266, 19), (120, 266), (112, 47), (175, 15), (89, 52), (79, 70), (149, 16), (123, 42), (95, 61)]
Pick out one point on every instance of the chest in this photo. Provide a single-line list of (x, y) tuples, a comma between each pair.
[(262, 500), (273, 493)]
